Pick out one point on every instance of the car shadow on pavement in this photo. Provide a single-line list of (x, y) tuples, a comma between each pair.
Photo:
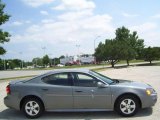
[(13, 114)]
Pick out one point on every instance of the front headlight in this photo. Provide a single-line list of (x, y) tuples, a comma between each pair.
[(150, 91)]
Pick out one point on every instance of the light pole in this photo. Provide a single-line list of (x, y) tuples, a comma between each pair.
[(95, 47), (95, 42), (44, 48), (51, 58), (21, 60), (4, 62), (78, 53)]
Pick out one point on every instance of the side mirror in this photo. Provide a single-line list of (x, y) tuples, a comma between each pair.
[(101, 85)]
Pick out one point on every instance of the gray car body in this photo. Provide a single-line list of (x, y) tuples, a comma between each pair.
[(64, 98)]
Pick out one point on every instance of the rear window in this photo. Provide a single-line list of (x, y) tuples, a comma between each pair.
[(63, 79)]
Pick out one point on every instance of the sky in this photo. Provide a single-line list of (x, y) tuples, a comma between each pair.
[(70, 27)]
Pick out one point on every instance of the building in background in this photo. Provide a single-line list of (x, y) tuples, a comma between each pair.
[(75, 60)]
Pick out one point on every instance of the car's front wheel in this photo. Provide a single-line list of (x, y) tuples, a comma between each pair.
[(127, 105), (32, 108)]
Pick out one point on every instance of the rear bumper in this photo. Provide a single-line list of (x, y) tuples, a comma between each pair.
[(11, 102)]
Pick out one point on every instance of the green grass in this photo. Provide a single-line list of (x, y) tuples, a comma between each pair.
[(148, 64), (156, 64), (99, 69), (132, 61)]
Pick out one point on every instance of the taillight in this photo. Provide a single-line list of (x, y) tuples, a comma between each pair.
[(8, 90)]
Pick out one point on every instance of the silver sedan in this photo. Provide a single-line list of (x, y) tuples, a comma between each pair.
[(78, 90)]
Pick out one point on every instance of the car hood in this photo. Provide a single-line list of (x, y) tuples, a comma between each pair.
[(129, 83)]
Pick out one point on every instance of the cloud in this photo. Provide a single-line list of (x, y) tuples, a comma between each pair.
[(80, 27), (145, 27), (129, 15), (157, 16), (75, 25), (27, 21), (44, 12), (75, 5), (17, 23), (20, 23), (37, 3), (47, 21), (75, 15), (149, 32)]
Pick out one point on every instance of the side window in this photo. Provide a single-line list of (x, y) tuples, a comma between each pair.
[(63, 79), (85, 80)]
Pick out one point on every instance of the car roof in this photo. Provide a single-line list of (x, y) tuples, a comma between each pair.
[(69, 70)]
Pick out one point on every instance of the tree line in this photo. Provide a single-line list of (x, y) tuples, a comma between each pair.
[(36, 62), (125, 46)]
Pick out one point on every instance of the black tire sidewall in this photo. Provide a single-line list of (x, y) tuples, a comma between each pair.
[(117, 107), (38, 102)]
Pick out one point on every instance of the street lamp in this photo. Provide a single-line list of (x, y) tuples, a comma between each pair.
[(51, 58), (4, 62), (21, 60), (44, 48), (95, 42), (78, 53), (78, 48), (95, 47)]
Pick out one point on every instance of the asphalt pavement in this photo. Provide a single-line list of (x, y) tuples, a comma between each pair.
[(21, 73)]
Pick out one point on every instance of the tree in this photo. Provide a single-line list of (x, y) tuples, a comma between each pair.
[(99, 52), (1, 64), (151, 54), (62, 56), (111, 51), (46, 60), (16, 63), (37, 61), (131, 45), (55, 61), (4, 36), (125, 46)]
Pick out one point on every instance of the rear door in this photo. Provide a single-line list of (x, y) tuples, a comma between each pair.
[(87, 95), (57, 91)]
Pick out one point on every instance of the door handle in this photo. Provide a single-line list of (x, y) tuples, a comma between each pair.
[(78, 91), (44, 89)]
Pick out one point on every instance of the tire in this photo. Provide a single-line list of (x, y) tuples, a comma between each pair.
[(32, 108), (127, 106)]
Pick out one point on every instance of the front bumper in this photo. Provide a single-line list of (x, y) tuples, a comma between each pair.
[(149, 101)]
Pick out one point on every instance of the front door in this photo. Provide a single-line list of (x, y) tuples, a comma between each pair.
[(87, 95)]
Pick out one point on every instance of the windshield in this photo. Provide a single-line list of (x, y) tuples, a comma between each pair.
[(102, 77)]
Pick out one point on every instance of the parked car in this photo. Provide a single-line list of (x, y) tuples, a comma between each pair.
[(78, 90), (60, 65)]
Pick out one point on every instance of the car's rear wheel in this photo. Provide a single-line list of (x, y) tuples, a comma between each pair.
[(127, 105), (32, 108)]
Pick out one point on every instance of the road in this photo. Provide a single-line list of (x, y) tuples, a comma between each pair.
[(147, 74), (21, 73)]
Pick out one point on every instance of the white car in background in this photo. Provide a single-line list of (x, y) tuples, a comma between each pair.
[(60, 65)]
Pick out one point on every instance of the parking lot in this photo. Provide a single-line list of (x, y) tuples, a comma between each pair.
[(147, 74)]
